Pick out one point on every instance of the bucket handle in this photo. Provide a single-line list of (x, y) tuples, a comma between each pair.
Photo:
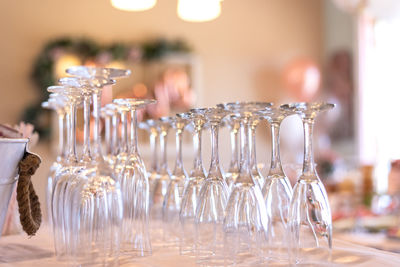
[(28, 201)]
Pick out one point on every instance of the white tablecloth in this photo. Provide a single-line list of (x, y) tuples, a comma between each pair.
[(19, 250)]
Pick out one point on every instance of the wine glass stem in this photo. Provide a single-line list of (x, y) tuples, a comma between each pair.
[(252, 152), (96, 134), (61, 145), (244, 134), (276, 166), (124, 132), (214, 166), (198, 163), (308, 165), (115, 129), (107, 121), (163, 148), (133, 146), (234, 133), (86, 129), (178, 163), (72, 158), (153, 148)]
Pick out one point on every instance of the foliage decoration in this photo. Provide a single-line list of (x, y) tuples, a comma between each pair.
[(86, 50)]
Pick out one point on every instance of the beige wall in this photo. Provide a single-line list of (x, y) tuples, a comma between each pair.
[(241, 52)]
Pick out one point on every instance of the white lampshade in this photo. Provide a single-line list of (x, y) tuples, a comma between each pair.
[(133, 5), (199, 10)]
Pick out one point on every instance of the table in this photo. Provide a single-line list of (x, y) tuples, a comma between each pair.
[(21, 251)]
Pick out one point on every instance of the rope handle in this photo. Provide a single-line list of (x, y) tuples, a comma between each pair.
[(30, 214)]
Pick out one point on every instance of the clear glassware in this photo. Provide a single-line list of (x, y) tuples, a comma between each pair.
[(179, 177), (310, 219), (233, 123), (135, 189), (57, 103), (160, 185), (96, 209), (90, 72), (277, 192), (246, 221), (94, 75), (210, 210), (191, 192), (59, 212), (154, 131)]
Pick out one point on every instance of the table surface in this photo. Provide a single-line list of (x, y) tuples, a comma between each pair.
[(19, 250)]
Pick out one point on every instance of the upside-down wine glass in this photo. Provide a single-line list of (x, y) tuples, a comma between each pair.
[(160, 185), (209, 241), (135, 189), (58, 104), (277, 192), (154, 131), (96, 210), (246, 221), (192, 188), (179, 177), (310, 219), (70, 169)]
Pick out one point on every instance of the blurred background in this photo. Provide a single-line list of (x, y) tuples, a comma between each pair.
[(341, 51)]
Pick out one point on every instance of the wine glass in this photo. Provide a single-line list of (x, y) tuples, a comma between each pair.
[(246, 221), (154, 131), (192, 189), (57, 103), (135, 189), (310, 219), (96, 210), (172, 199), (160, 185), (58, 211), (277, 191), (209, 241)]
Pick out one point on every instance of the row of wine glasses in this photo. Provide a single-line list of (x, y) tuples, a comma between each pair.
[(239, 217), (94, 218), (105, 208)]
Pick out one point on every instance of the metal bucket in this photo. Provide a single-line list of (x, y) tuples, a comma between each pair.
[(11, 152)]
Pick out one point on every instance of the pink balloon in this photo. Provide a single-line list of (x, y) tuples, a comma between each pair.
[(302, 79)]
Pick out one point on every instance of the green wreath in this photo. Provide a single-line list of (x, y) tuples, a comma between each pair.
[(85, 49)]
